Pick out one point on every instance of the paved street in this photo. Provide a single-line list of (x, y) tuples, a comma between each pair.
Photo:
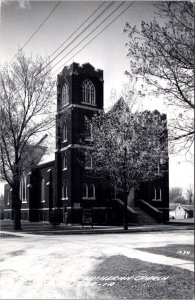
[(57, 267)]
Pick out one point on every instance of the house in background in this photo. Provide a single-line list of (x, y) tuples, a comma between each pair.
[(69, 182), (180, 211)]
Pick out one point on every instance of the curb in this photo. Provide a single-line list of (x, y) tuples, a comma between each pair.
[(98, 231)]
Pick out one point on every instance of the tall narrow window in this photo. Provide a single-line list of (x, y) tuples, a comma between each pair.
[(89, 92), (64, 163), (43, 190), (88, 131), (65, 96), (64, 191), (85, 190), (64, 133), (88, 161), (8, 197), (157, 194), (91, 191)]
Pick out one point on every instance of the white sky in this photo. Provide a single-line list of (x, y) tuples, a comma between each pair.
[(108, 52)]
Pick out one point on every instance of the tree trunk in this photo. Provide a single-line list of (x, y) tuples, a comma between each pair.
[(16, 202)]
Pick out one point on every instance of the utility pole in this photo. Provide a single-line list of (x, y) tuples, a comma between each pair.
[(125, 190)]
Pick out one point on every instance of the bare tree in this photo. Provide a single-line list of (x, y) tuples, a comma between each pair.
[(26, 112), (161, 53), (176, 195), (189, 195)]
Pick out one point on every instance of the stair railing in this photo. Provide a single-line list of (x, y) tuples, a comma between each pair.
[(151, 210), (133, 215)]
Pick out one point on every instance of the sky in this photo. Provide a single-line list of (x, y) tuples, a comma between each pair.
[(20, 19)]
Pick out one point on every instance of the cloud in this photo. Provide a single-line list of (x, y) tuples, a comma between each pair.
[(24, 4)]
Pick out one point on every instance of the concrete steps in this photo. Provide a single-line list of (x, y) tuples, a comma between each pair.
[(144, 218)]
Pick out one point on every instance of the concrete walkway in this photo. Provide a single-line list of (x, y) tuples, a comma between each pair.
[(46, 229), (131, 253), (153, 258), (37, 266)]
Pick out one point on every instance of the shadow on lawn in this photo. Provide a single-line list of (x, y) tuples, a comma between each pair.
[(127, 278)]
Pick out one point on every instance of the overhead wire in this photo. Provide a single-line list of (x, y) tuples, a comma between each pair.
[(77, 29), (85, 29), (91, 23), (35, 32), (97, 35), (89, 33)]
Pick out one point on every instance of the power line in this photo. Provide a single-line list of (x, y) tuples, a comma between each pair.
[(90, 33), (89, 25), (93, 37), (77, 35), (30, 38), (97, 35), (77, 29)]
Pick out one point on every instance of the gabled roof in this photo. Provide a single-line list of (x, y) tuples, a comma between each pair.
[(173, 206), (119, 105), (32, 155), (46, 159)]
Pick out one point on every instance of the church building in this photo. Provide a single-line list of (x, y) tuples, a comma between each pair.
[(69, 182)]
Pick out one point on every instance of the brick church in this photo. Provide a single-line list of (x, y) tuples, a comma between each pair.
[(72, 187)]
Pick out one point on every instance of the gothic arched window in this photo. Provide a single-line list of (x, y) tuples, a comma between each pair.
[(65, 96), (88, 92), (64, 133)]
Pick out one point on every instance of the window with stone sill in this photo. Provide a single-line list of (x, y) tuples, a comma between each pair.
[(88, 191), (64, 133), (157, 194), (43, 190), (65, 94), (64, 191), (89, 95), (64, 162)]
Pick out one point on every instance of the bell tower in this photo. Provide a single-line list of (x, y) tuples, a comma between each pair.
[(79, 96)]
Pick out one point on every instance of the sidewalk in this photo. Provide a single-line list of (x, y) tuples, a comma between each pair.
[(46, 229)]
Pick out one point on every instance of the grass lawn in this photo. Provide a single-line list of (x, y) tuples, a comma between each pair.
[(179, 251), (178, 285)]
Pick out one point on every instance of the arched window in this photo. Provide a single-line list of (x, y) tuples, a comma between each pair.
[(85, 190), (64, 191), (64, 162), (88, 131), (89, 92), (91, 191), (23, 193), (88, 161), (9, 196), (43, 190), (65, 96), (64, 133)]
